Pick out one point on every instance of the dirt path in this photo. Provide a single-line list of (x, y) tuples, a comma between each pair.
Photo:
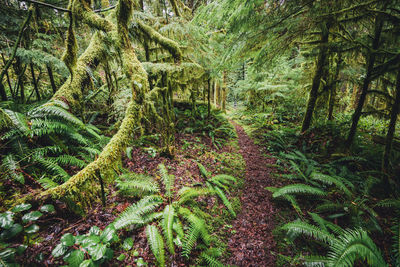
[(253, 240)]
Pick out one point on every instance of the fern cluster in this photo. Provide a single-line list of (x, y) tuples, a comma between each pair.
[(171, 217), (44, 140)]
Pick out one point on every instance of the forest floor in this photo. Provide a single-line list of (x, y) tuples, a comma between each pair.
[(253, 243)]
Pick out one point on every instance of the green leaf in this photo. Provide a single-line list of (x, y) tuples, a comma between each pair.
[(90, 241), (94, 230), (22, 207), (108, 234), (6, 219), (32, 229), (14, 230), (97, 252), (87, 263), (128, 244), (68, 240), (59, 250), (121, 257), (31, 216), (47, 208), (75, 258)]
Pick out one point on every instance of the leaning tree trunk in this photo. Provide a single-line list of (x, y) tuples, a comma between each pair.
[(367, 80), (392, 128), (323, 52)]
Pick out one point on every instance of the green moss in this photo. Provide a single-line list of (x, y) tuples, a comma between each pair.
[(165, 42), (71, 91)]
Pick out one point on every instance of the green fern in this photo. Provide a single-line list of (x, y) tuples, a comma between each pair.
[(156, 243), (225, 200), (330, 180), (167, 226), (51, 166), (52, 109), (203, 170), (11, 167), (396, 241), (353, 245), (298, 189), (210, 260), (187, 194), (133, 215), (136, 184), (197, 229), (167, 179), (299, 227)]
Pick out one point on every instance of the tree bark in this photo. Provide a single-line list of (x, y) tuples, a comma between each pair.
[(3, 94), (332, 95), (392, 128), (208, 97), (51, 77), (323, 51), (367, 80), (35, 85)]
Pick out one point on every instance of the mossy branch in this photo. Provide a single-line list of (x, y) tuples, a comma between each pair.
[(170, 45)]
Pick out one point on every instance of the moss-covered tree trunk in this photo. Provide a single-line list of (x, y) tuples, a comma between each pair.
[(321, 61), (371, 56)]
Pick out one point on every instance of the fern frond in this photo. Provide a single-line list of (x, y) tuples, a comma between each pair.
[(47, 183), (203, 170), (19, 121), (353, 245), (224, 179), (51, 109), (156, 243), (197, 228), (167, 225), (11, 167), (136, 184), (167, 179), (298, 189), (326, 225), (178, 227), (51, 166), (299, 227), (330, 180), (225, 200), (315, 261), (68, 160), (210, 260), (294, 203), (396, 241), (134, 213), (190, 193), (389, 203)]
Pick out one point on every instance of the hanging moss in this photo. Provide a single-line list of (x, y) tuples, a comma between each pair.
[(182, 73), (70, 53), (71, 91), (82, 11), (166, 43)]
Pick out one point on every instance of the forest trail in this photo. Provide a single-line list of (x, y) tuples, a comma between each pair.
[(253, 241)]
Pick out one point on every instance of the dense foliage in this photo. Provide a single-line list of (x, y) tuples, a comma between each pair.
[(117, 140)]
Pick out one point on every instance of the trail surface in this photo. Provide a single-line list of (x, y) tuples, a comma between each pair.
[(253, 242)]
